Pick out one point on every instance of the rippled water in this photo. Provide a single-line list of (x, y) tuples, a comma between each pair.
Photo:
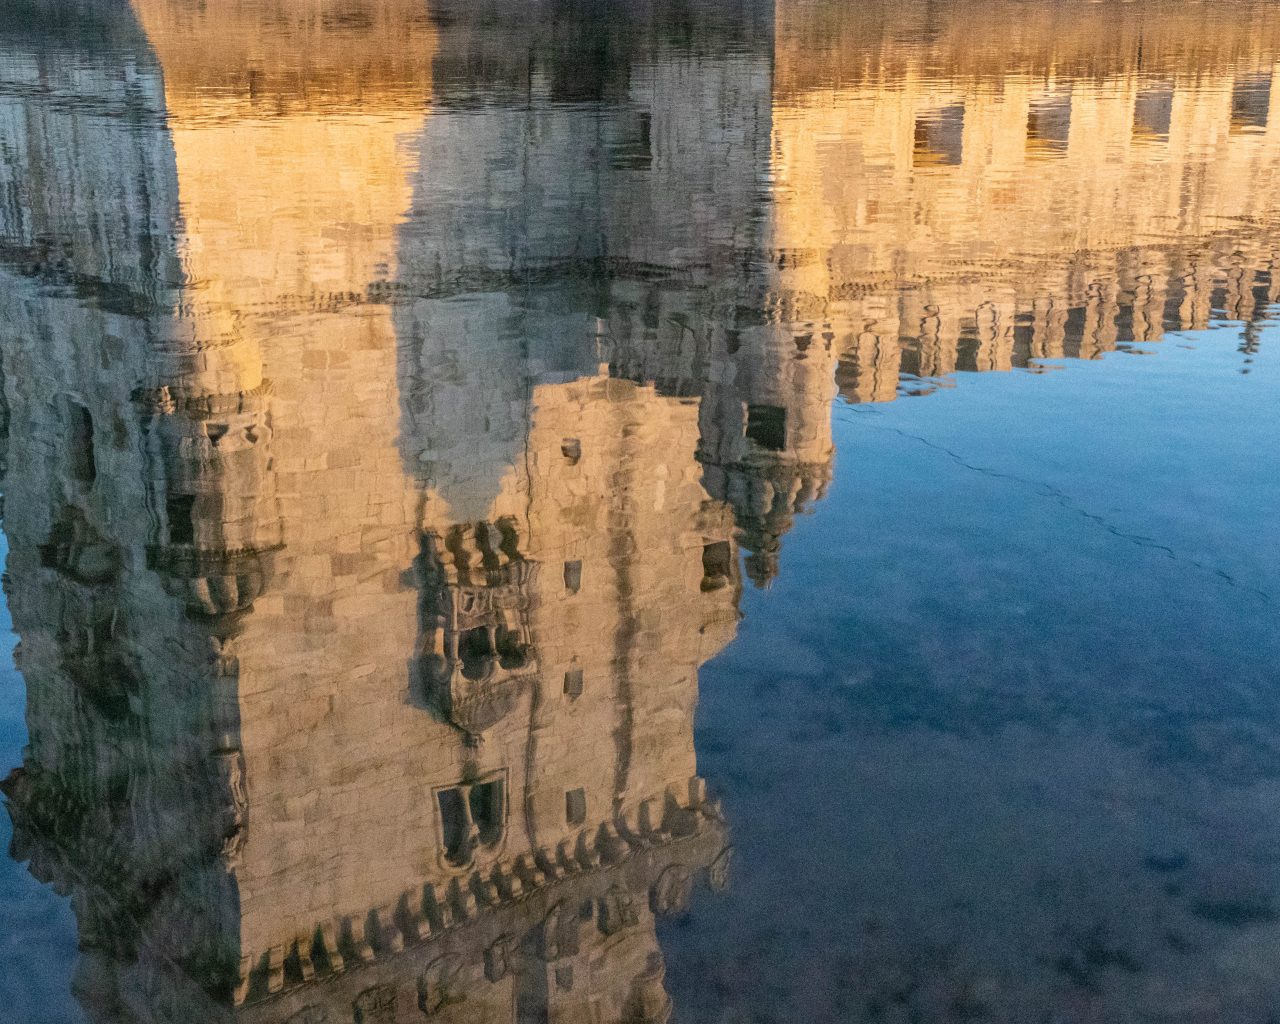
[(608, 513)]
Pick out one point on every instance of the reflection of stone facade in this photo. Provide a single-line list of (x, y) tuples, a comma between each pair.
[(496, 812), (940, 209), (380, 451)]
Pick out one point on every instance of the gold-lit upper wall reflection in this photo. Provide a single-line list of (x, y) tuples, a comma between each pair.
[(290, 124), (267, 57), (1017, 160), (824, 43)]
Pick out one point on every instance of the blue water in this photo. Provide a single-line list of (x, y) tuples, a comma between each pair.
[(1014, 699)]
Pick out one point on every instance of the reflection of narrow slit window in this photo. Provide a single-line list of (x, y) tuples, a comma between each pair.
[(573, 576), (80, 444), (575, 807), (471, 816), (939, 137), (717, 564), (180, 510), (573, 682), (767, 426), (1250, 100)]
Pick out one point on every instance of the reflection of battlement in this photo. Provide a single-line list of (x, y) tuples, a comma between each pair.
[(529, 930)]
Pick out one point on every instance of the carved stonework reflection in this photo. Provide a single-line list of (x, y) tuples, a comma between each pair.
[(478, 652)]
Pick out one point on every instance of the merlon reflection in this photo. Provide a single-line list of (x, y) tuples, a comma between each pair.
[(389, 402)]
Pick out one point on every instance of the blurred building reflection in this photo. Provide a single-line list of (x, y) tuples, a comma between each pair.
[(389, 391)]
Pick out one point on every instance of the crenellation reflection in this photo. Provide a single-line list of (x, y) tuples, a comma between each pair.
[(397, 396)]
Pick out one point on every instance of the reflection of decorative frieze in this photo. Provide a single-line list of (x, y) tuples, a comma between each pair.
[(489, 925)]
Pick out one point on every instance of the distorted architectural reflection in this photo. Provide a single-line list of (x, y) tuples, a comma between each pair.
[(397, 396)]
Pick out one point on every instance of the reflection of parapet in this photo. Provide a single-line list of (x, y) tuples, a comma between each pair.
[(937, 213)]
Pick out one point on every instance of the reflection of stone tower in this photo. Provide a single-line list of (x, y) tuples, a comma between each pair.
[(141, 523), (299, 715), (561, 636)]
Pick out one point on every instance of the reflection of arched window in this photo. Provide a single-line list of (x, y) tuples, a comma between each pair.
[(475, 651), (511, 652), (82, 466), (472, 816)]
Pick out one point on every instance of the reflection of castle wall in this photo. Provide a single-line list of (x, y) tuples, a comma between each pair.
[(1017, 218), (321, 774)]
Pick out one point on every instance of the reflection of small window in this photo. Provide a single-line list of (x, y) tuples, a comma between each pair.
[(573, 682), (471, 816), (634, 149), (939, 137), (1049, 125), (767, 426), (571, 449), (1250, 100), (717, 564), (180, 511), (575, 806), (1153, 112), (83, 468), (573, 576)]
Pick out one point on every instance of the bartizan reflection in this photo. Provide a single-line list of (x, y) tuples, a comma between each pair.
[(397, 397)]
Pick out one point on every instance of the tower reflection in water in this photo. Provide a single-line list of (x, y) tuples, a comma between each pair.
[(389, 392)]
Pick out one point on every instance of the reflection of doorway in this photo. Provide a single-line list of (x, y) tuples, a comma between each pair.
[(472, 816)]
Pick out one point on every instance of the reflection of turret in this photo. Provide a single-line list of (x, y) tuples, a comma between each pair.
[(218, 526)]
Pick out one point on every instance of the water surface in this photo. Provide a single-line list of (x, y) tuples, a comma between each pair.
[(713, 511)]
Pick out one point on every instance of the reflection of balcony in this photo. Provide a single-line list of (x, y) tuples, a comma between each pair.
[(478, 652), (214, 583)]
